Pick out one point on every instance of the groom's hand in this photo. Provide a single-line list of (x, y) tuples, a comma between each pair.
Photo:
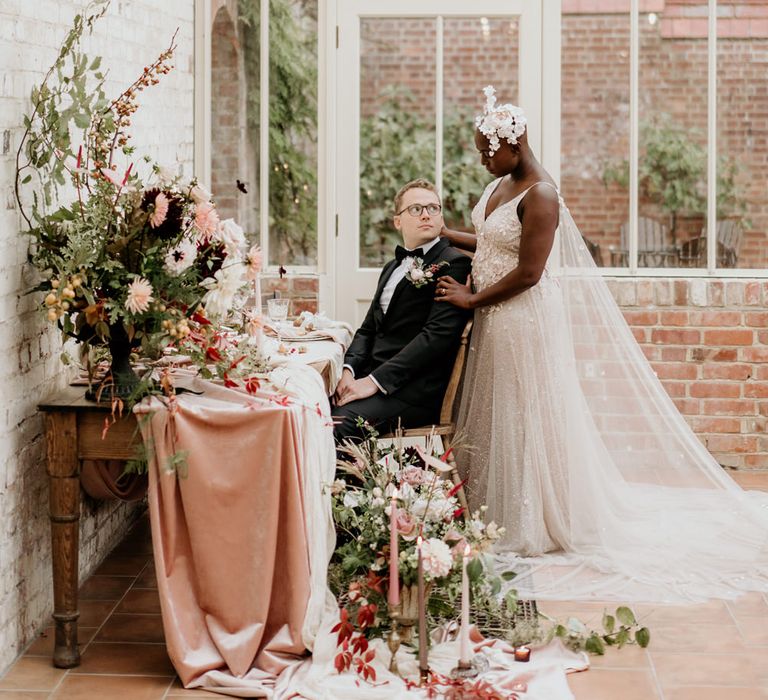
[(346, 381), (358, 389)]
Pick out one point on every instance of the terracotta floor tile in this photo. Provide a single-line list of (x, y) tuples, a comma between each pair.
[(115, 565), (612, 684), (749, 605), (126, 659), (629, 656), (699, 638), (138, 600), (43, 645), (714, 612), (32, 673), (105, 587), (714, 693), (754, 632), (674, 669), (94, 612), (75, 687), (132, 628), (147, 578)]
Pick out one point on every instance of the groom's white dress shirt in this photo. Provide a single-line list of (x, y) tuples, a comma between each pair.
[(389, 289)]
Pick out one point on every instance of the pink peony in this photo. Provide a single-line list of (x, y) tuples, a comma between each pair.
[(413, 475), (139, 296), (160, 212), (406, 524), (253, 263), (206, 221), (436, 558)]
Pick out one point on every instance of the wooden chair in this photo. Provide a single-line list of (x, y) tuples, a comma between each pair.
[(446, 428), (693, 253), (652, 247)]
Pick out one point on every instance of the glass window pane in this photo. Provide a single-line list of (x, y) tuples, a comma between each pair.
[(397, 123), (595, 127), (477, 50), (673, 136), (293, 132), (742, 138), (231, 158)]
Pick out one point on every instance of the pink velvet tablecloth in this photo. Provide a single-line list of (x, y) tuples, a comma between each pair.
[(234, 537)]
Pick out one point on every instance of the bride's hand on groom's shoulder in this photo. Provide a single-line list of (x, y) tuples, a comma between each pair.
[(454, 292)]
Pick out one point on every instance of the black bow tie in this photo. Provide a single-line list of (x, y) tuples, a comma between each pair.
[(401, 253)]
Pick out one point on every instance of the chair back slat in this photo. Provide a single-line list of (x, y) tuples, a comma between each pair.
[(446, 412)]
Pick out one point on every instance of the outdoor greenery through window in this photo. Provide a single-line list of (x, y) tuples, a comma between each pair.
[(293, 105)]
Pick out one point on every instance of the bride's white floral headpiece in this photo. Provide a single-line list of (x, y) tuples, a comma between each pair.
[(505, 121)]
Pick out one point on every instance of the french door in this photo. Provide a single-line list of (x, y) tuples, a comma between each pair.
[(410, 75)]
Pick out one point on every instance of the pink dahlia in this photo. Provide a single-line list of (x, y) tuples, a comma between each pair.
[(206, 221), (139, 296), (160, 211)]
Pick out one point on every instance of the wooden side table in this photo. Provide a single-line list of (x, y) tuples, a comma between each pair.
[(73, 430)]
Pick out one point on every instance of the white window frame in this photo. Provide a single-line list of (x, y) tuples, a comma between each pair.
[(202, 124), (711, 216)]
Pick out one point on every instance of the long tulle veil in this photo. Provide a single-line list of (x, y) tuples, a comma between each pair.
[(653, 516)]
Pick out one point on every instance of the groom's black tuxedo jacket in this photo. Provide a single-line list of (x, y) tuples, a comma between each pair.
[(411, 349)]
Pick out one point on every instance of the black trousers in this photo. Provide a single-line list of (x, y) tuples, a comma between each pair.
[(383, 413)]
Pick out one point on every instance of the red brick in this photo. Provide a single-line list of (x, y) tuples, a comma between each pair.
[(681, 292), (731, 443), (716, 425), (641, 318), (755, 354), (756, 390), (758, 320), (688, 407), (675, 370), (725, 355), (715, 318), (712, 390), (674, 389), (299, 305), (675, 337), (762, 337), (752, 293), (303, 285), (738, 372), (760, 372), (728, 407), (730, 337), (641, 334), (759, 461), (674, 318), (674, 354)]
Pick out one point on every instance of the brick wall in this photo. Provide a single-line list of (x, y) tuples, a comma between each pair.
[(30, 33), (708, 343)]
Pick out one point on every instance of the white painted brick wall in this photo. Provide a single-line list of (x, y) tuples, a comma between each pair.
[(128, 37)]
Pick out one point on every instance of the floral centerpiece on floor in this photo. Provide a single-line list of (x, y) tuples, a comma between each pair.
[(140, 259)]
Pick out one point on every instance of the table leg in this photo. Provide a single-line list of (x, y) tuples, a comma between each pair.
[(64, 483)]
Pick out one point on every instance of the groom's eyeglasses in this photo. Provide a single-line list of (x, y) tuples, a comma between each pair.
[(416, 209)]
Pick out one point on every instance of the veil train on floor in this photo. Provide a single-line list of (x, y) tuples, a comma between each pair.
[(653, 516)]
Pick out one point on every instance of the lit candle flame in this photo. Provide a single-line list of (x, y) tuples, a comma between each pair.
[(467, 550), (419, 541), (395, 494)]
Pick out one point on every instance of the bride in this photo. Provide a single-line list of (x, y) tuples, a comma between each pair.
[(576, 448)]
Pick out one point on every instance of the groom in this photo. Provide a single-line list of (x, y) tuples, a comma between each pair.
[(400, 359)]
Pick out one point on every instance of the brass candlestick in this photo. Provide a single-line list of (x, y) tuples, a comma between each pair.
[(401, 631)]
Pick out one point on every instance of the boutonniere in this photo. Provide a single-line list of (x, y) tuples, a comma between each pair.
[(419, 274)]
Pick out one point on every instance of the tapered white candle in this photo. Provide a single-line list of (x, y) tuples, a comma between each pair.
[(464, 649), (393, 595)]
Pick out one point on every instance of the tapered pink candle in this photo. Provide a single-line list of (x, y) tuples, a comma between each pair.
[(464, 650), (393, 596), (423, 637)]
